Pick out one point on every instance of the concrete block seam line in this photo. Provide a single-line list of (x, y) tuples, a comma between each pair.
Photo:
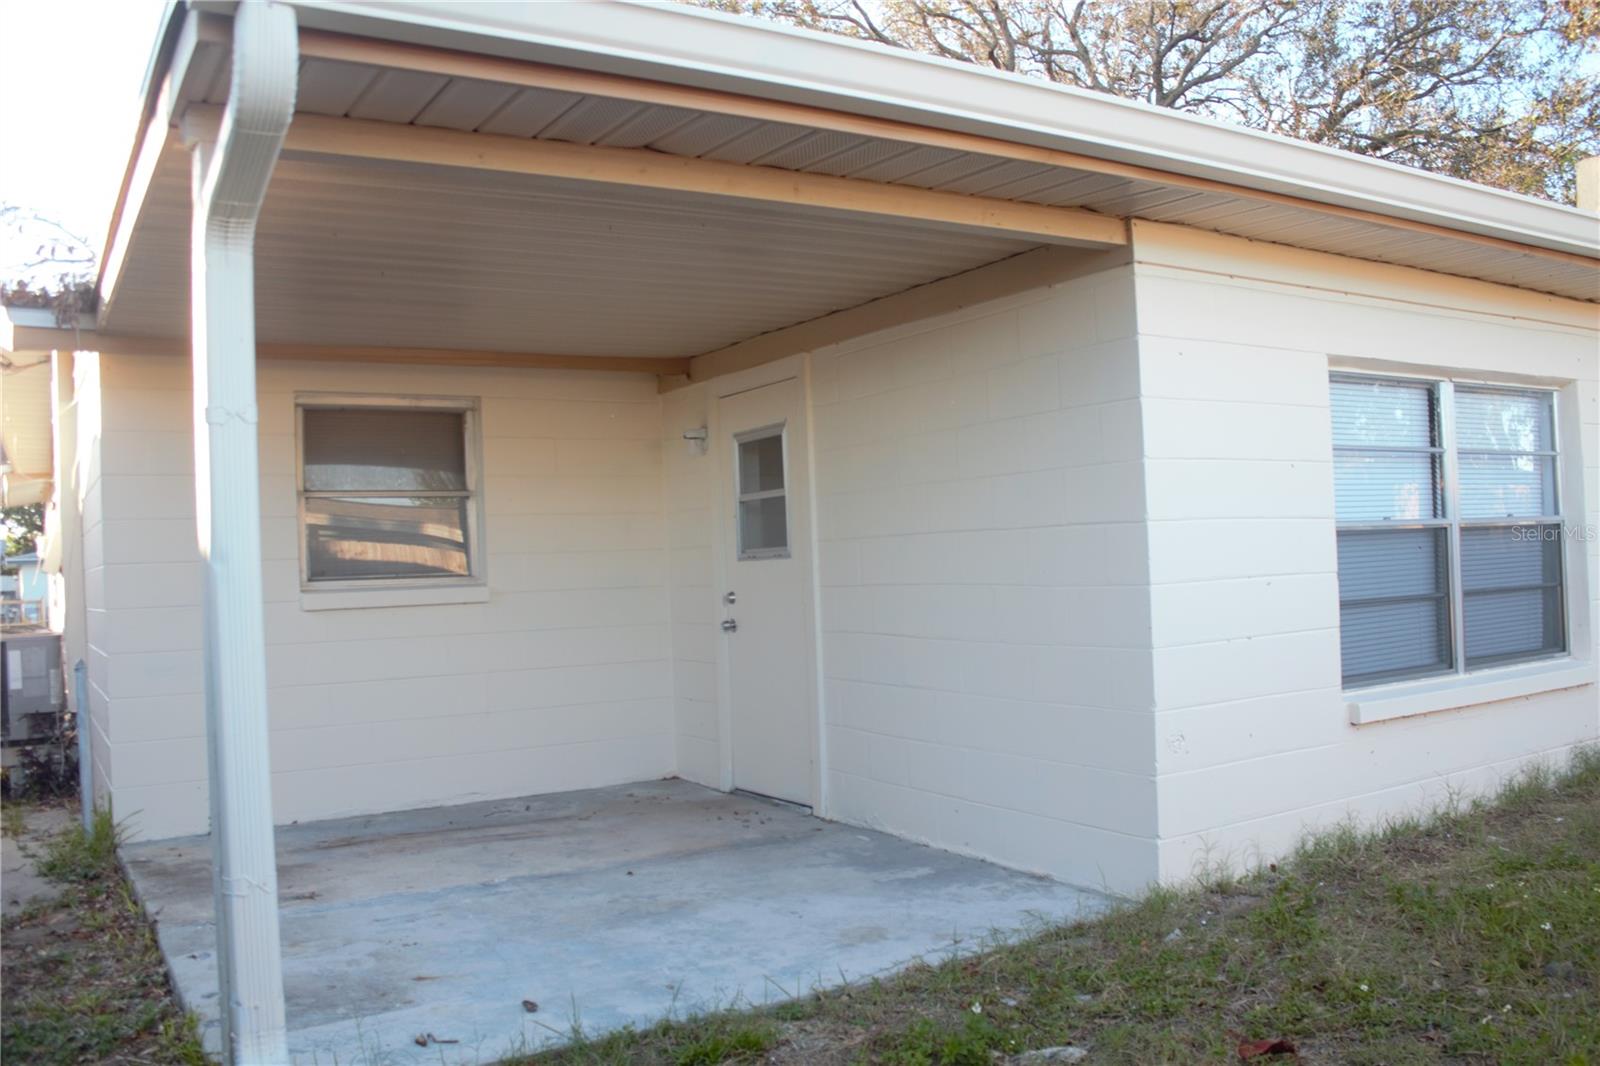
[(230, 178), (1504, 769)]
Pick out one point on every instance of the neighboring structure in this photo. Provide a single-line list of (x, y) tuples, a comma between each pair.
[(1080, 485), (24, 589)]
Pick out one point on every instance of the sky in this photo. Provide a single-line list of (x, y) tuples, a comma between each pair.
[(69, 102)]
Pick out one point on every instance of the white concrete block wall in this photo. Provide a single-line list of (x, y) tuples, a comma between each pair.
[(1076, 557), (1253, 740), (689, 505), (984, 582), (563, 679), (87, 483)]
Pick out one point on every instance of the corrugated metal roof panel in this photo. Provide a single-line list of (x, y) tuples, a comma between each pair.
[(897, 166), (590, 120), (464, 104), (1140, 201), (329, 88), (809, 150), (1082, 189), (1170, 212), (397, 96), (647, 126), (1008, 174), (870, 152), (962, 167), (760, 139), (528, 112), (701, 135)]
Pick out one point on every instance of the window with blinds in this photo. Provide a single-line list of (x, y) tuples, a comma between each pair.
[(1448, 527), (386, 493)]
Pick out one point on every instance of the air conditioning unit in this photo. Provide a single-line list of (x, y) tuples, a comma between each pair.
[(32, 696)]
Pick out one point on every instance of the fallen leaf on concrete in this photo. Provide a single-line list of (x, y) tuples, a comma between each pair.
[(1255, 1049)]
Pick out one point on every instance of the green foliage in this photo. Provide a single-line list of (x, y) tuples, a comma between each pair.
[(929, 1043), (76, 855), (22, 525)]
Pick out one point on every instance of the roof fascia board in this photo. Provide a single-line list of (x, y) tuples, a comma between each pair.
[(195, 42), (35, 329), (705, 49), (146, 160), (173, 18)]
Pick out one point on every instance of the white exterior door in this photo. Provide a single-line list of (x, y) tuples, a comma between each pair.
[(766, 607)]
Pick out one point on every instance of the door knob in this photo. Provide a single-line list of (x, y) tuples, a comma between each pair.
[(730, 625)]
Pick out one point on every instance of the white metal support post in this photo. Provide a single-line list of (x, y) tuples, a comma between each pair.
[(230, 178)]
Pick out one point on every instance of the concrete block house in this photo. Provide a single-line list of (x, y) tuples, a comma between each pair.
[(643, 393)]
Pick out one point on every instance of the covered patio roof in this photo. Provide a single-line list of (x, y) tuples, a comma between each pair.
[(641, 188)]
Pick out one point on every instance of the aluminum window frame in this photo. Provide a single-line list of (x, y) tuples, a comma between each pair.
[(780, 430), (468, 407), (1443, 395)]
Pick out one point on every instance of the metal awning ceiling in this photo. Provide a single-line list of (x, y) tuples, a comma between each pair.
[(366, 91), (398, 255), (365, 252)]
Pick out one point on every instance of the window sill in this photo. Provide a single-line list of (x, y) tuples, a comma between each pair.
[(1448, 693), (344, 599)]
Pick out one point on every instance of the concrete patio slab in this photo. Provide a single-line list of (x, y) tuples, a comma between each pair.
[(605, 907)]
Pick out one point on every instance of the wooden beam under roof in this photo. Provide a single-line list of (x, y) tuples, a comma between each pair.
[(43, 338), (318, 136), (1024, 272)]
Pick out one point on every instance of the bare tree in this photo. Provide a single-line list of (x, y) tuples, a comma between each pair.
[(1499, 91), (44, 241), (37, 247)]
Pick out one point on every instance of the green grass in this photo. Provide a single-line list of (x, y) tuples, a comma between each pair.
[(83, 980), (1471, 937), (76, 856)]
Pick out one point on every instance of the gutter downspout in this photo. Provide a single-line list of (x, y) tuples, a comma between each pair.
[(230, 178)]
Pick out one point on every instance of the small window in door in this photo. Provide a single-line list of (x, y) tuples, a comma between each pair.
[(763, 510)]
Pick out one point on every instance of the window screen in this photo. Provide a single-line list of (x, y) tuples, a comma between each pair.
[(386, 493), (763, 518), (1394, 587), (1510, 529), (1440, 574)]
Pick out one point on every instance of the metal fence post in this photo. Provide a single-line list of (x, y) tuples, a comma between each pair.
[(80, 699)]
